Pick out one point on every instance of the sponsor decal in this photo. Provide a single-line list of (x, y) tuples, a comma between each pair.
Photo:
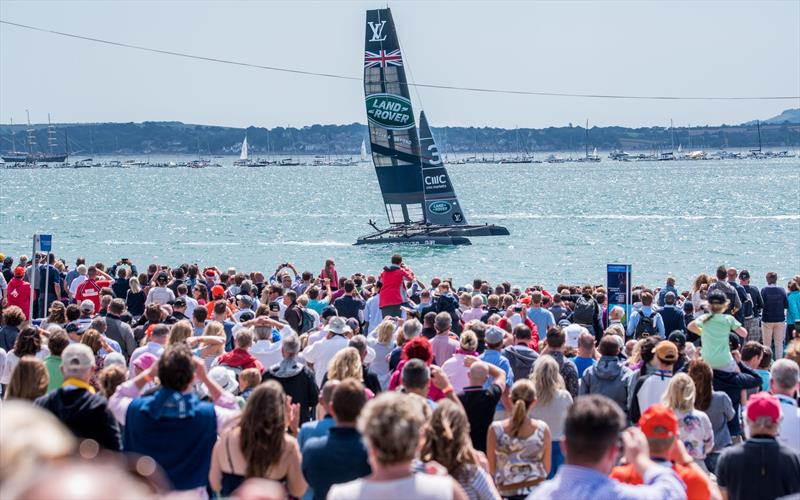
[(440, 207), (457, 217), (383, 58), (377, 31), (390, 111), (435, 182)]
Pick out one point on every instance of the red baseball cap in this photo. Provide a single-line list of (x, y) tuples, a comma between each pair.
[(210, 273), (658, 421), (217, 291), (19, 272), (763, 404)]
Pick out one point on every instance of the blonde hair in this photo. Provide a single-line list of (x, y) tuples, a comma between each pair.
[(680, 393), (251, 377), (110, 378), (385, 331), (179, 332), (32, 438), (346, 364), (215, 329), (29, 379), (92, 339), (523, 394), (547, 380), (469, 341), (447, 439), (392, 424), (134, 284)]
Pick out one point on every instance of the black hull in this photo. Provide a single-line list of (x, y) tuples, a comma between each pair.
[(35, 158), (431, 235)]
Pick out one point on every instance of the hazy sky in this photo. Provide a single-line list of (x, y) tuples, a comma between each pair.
[(736, 48)]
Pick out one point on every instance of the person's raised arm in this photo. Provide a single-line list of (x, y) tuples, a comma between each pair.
[(441, 382)]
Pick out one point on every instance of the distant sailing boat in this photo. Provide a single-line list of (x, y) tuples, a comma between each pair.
[(364, 157), (243, 161), (593, 158), (418, 196)]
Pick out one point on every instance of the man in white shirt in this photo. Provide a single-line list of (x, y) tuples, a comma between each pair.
[(76, 282), (158, 339), (320, 353), (784, 383), (160, 294)]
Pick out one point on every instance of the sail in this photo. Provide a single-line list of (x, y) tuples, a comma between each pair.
[(243, 154), (392, 131), (364, 150), (441, 203)]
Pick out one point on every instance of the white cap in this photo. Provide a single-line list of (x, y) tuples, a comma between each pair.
[(76, 358)]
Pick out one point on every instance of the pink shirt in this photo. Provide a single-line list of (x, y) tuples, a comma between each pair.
[(471, 314), (443, 348), (456, 371)]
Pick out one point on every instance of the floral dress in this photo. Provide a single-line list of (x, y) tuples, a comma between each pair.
[(518, 460), (696, 432)]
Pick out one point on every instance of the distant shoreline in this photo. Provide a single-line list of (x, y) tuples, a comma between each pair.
[(176, 138)]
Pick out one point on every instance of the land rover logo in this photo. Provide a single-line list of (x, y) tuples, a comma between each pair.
[(390, 111), (439, 207)]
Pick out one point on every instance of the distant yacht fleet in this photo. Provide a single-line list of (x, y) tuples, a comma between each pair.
[(51, 157)]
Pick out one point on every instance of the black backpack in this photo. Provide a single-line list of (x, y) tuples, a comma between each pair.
[(306, 321), (584, 311), (646, 325), (731, 294)]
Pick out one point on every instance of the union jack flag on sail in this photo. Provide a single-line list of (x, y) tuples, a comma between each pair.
[(383, 58)]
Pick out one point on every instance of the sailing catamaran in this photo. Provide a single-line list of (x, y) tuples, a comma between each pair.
[(418, 196)]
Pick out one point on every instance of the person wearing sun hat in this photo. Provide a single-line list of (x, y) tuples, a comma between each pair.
[(660, 426), (760, 467), (649, 388)]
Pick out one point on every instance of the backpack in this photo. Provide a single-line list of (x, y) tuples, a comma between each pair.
[(584, 311), (731, 294), (646, 325), (306, 321)]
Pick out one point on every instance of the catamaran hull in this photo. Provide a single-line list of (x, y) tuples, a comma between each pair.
[(431, 235)]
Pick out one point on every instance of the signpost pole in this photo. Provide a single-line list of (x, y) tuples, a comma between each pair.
[(33, 274)]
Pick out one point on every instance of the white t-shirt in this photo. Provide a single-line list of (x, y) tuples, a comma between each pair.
[(12, 361), (418, 486), (321, 353), (159, 295), (73, 287)]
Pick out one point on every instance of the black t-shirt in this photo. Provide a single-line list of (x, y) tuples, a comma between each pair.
[(759, 468), (480, 404)]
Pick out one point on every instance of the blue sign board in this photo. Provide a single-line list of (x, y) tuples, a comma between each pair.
[(618, 283), (45, 243)]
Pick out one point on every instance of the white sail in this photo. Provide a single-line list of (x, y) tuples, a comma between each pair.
[(243, 155), (363, 150)]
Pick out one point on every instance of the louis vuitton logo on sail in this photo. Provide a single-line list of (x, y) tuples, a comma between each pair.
[(390, 111), (377, 31)]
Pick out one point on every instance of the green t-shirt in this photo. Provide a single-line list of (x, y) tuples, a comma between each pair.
[(53, 365), (714, 338)]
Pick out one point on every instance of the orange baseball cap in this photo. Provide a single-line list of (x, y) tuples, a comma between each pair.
[(217, 291), (19, 272), (658, 421)]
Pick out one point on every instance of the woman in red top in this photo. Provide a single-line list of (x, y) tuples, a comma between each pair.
[(329, 272)]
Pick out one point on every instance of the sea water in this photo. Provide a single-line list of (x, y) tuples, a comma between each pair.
[(567, 221)]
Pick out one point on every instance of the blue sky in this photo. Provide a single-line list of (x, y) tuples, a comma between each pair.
[(733, 48)]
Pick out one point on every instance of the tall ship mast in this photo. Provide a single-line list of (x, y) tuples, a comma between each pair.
[(32, 155), (420, 202)]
